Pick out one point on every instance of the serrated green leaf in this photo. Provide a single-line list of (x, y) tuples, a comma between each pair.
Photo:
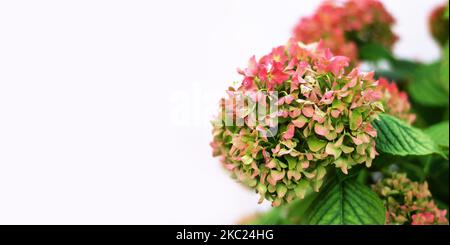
[(398, 138), (346, 202), (439, 133), (427, 88)]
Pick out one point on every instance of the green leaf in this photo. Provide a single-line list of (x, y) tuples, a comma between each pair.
[(427, 88), (297, 209), (446, 12), (400, 70), (391, 75), (374, 52), (398, 138), (276, 216), (439, 133), (287, 214), (444, 68), (405, 68), (346, 202)]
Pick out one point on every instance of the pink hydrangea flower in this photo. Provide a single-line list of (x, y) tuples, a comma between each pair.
[(343, 27), (323, 120)]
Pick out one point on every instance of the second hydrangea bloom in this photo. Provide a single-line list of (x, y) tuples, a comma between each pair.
[(408, 202), (395, 102), (346, 26)]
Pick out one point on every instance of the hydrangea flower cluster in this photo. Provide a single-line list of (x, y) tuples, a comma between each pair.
[(323, 119), (344, 27), (395, 102), (408, 202), (439, 25)]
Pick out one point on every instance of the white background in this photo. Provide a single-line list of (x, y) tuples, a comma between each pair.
[(104, 105)]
